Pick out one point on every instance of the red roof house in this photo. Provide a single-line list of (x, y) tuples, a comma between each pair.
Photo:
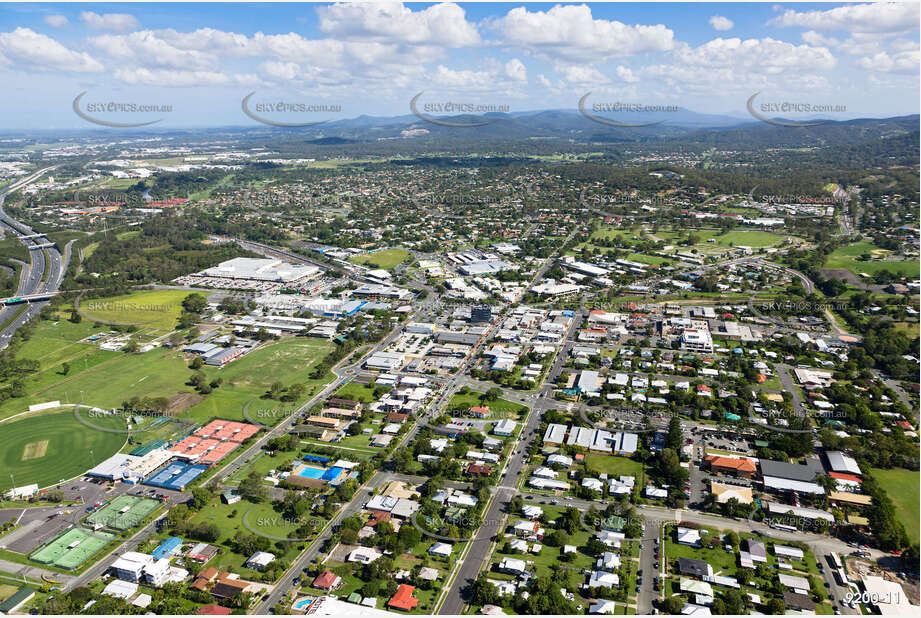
[(327, 580), (403, 599)]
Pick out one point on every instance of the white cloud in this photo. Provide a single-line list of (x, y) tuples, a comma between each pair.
[(26, 48), (169, 78), (56, 21), (516, 71), (721, 23), (755, 55), (115, 22), (889, 17), (442, 24), (280, 71), (581, 75), (817, 39), (626, 75), (464, 79), (570, 32), (148, 49), (902, 62)]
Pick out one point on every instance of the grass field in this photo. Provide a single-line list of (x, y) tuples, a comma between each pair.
[(67, 447), (613, 465), (750, 238), (156, 309), (356, 392), (848, 258), (287, 361), (106, 379), (385, 258), (500, 408), (902, 487)]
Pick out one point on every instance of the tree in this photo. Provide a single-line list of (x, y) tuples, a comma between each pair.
[(65, 369), (492, 394), (75, 316), (673, 605), (675, 438), (195, 303)]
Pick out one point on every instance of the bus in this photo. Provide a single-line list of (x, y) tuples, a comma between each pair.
[(835, 560)]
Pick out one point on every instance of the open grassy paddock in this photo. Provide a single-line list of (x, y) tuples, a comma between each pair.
[(500, 408), (156, 309), (46, 447), (288, 361), (385, 258), (849, 258), (902, 488)]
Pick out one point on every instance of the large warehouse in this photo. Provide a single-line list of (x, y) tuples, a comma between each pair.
[(261, 269)]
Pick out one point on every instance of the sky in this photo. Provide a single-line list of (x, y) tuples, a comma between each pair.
[(328, 61)]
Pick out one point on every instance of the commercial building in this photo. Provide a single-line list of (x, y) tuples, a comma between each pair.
[(261, 269)]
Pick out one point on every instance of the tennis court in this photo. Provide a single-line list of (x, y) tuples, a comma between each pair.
[(71, 549), (176, 476), (123, 512)]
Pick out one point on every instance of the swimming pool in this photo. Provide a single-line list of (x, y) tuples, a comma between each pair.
[(320, 473), (303, 603)]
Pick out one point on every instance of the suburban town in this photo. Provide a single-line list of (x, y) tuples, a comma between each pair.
[(541, 365)]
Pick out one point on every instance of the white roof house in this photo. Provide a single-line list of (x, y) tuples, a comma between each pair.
[(839, 462), (788, 552), (688, 536), (531, 511), (603, 606), (505, 427), (364, 555), (440, 549), (513, 566), (603, 579), (121, 589), (608, 561), (259, 560)]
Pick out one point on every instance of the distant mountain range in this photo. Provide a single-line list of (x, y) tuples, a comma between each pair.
[(571, 125), (684, 128)]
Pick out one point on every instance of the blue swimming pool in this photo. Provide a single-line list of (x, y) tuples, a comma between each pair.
[(303, 603), (319, 473)]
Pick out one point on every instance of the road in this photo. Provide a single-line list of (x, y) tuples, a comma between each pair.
[(476, 557), (44, 274)]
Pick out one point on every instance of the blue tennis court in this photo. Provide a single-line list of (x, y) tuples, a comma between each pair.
[(176, 476)]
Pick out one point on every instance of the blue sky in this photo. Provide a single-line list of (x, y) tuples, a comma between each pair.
[(202, 59)]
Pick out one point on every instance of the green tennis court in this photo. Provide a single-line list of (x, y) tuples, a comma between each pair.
[(71, 549), (123, 512)]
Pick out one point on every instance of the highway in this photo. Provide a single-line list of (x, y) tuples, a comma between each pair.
[(44, 274)]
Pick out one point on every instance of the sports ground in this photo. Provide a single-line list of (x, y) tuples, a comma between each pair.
[(71, 549), (48, 447), (123, 512)]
